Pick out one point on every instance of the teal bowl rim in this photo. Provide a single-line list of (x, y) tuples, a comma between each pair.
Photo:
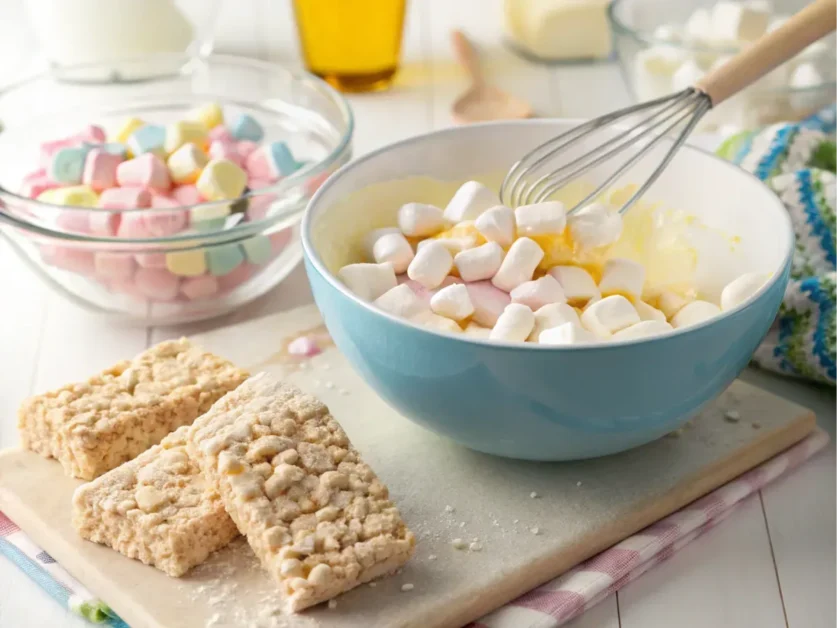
[(313, 258)]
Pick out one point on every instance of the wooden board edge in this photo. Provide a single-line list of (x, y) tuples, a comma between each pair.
[(685, 492)]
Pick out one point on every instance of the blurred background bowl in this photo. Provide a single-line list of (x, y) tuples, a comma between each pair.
[(126, 277)]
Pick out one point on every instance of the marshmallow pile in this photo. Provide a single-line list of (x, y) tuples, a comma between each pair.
[(681, 54), (485, 270), (170, 173)]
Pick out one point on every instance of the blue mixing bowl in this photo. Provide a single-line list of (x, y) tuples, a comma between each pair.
[(531, 401)]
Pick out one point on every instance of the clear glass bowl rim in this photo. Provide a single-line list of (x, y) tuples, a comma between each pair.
[(184, 63)]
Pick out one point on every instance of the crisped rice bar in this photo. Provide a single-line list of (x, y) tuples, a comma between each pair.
[(157, 508), (314, 513), (95, 426)]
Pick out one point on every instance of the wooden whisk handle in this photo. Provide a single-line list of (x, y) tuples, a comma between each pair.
[(813, 22)]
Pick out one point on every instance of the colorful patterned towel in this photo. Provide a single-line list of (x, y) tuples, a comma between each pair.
[(798, 161)]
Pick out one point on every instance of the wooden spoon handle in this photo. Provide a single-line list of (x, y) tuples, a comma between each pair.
[(466, 55), (813, 22)]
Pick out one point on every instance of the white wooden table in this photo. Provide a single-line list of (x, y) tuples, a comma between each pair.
[(771, 565)]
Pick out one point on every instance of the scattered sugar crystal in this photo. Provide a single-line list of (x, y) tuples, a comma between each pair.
[(535, 530), (578, 483), (373, 584), (449, 508), (461, 524), (459, 544), (534, 495), (733, 416), (215, 620), (407, 587), (475, 547), (332, 604), (329, 385), (431, 557)]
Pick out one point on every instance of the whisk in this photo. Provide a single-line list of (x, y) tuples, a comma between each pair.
[(540, 172)]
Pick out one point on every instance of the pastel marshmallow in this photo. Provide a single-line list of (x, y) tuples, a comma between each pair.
[(184, 132), (566, 334), (549, 218), (401, 301), (481, 262), (149, 138), (48, 149), (514, 325), (246, 147), (236, 278), (622, 276), (477, 331), (578, 285), (643, 329), (187, 263), (209, 115), (160, 222), (156, 284), (497, 225), (222, 259), (470, 200), (280, 159), (436, 322), (649, 313), (258, 249), (72, 196), (227, 150), (431, 265), (125, 198), (196, 288), (246, 127), (519, 264), (114, 265), (488, 301), (452, 302), (100, 169), (67, 165), (221, 134), (739, 21), (221, 179), (146, 171), (595, 226), (68, 258), (741, 289), (372, 237), (132, 226), (126, 129), (609, 315), (186, 195), (420, 220), (552, 315), (669, 303), (186, 163), (538, 292), (694, 313), (368, 281), (34, 186), (393, 248)]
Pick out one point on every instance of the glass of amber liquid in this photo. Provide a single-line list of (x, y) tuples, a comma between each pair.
[(352, 44)]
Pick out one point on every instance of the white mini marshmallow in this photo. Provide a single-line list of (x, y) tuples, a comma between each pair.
[(431, 265), (622, 276), (686, 75), (401, 301), (643, 329), (734, 22), (668, 33), (669, 303), (566, 334), (649, 313), (393, 248), (515, 324), (372, 237), (368, 281), (481, 262), (548, 218), (553, 315), (489, 302), (698, 28), (661, 60), (470, 200), (579, 286), (497, 225), (419, 219), (452, 302), (539, 292), (453, 245), (594, 226), (436, 322), (519, 264), (609, 315), (477, 331), (694, 313), (741, 290), (805, 75)]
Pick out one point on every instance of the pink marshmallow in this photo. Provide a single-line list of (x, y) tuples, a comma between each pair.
[(100, 169), (195, 288), (220, 133), (34, 186), (40, 173), (115, 265), (489, 302), (423, 293), (157, 285), (132, 226), (164, 223), (123, 286), (151, 260), (280, 239), (186, 195), (73, 220), (104, 223), (48, 149), (236, 277), (225, 150), (246, 147), (258, 204), (146, 171), (258, 166), (68, 258), (125, 198), (91, 133)]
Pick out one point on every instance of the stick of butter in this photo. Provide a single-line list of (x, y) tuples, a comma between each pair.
[(559, 30)]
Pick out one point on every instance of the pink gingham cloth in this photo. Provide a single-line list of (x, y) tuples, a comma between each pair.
[(548, 606)]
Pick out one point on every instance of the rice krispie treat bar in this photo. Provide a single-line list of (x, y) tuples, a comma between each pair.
[(157, 508), (95, 426), (314, 513)]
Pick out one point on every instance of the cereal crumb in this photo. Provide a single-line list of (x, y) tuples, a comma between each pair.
[(475, 547), (536, 530), (756, 425), (373, 584), (461, 524), (431, 557), (578, 483), (449, 508), (733, 416), (534, 495), (407, 587), (516, 521), (459, 544), (332, 604)]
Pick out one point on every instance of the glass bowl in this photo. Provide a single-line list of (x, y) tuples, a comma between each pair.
[(636, 26), (182, 262)]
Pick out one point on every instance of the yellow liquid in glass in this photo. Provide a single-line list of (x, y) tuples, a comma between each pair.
[(353, 44)]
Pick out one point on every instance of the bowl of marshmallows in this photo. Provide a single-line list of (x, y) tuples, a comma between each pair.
[(667, 46), (531, 332)]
